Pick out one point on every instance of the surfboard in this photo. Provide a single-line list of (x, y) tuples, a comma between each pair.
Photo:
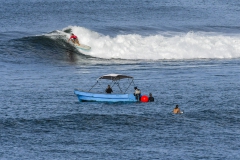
[(82, 46)]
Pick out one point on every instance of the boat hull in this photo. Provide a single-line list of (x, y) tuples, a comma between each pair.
[(94, 97)]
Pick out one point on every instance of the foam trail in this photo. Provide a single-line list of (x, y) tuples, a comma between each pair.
[(190, 45)]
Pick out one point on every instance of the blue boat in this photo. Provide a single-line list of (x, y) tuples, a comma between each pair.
[(89, 96)]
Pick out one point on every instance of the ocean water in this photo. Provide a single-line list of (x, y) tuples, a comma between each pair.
[(183, 52)]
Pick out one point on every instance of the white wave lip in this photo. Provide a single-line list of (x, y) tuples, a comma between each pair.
[(173, 46)]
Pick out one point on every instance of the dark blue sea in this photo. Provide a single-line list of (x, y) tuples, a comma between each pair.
[(184, 52)]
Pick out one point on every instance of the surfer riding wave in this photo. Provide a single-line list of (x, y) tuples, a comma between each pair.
[(74, 39)]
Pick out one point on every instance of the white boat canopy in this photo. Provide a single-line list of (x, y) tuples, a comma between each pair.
[(114, 77)]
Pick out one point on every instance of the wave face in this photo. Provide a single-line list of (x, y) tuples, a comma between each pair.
[(165, 45)]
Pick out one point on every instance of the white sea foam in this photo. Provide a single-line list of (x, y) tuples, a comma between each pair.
[(191, 45)]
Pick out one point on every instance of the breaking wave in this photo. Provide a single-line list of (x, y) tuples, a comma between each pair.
[(164, 45)]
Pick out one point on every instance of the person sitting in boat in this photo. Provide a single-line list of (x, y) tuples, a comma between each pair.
[(176, 110), (74, 39), (150, 98), (109, 90), (137, 93)]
